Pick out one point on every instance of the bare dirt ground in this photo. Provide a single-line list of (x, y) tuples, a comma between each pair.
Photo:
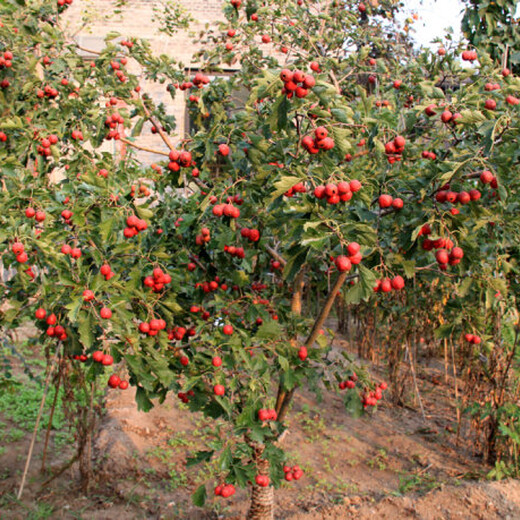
[(390, 464)]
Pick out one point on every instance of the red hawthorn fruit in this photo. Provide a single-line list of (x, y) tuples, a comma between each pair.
[(490, 104), (216, 361), (123, 385), (88, 295), (353, 248), (107, 359), (385, 201), (442, 256), (30, 212), (399, 141), (430, 110), (105, 313), (262, 480), (40, 313), (227, 330), (512, 100), (386, 285), (486, 177), (446, 116), (397, 203), (114, 381), (398, 283), (223, 149), (474, 194), (219, 390), (457, 253), (320, 133), (17, 248), (343, 263), (464, 197), (98, 356), (66, 249), (185, 361), (302, 353)]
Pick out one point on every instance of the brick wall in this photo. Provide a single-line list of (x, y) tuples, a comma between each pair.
[(136, 20)]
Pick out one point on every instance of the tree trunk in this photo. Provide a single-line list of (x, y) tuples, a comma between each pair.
[(262, 498)]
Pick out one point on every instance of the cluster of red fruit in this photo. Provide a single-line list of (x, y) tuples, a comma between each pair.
[(127, 43), (204, 236), (158, 280), (385, 201), (469, 55), (446, 253), (143, 190), (19, 250), (152, 327), (512, 100), (226, 490), (100, 357), (62, 3), (6, 60), (39, 215), (195, 309), (212, 286), (237, 252), (185, 396), (77, 135), (292, 473), (253, 235), (66, 214), (178, 333), (200, 80), (228, 210), (115, 381), (112, 121), (106, 271), (321, 141), (74, 252), (116, 65), (179, 160), (489, 87), (344, 263), (371, 398), (386, 285), (445, 257), (394, 149), (349, 383), (334, 193), (486, 177), (428, 155), (297, 188), (296, 83), (262, 480), (472, 338), (464, 197), (48, 91), (267, 415), (133, 226), (56, 331)]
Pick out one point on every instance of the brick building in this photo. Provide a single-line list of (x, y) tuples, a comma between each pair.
[(91, 20)]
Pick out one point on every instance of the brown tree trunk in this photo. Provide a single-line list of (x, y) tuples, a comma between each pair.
[(262, 498)]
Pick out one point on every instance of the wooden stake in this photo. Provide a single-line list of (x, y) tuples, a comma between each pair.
[(35, 432)]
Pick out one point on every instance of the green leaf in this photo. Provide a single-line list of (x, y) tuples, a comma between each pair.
[(200, 456), (143, 402), (85, 331), (199, 497), (269, 330)]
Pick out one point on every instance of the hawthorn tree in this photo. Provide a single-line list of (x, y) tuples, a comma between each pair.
[(351, 169)]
